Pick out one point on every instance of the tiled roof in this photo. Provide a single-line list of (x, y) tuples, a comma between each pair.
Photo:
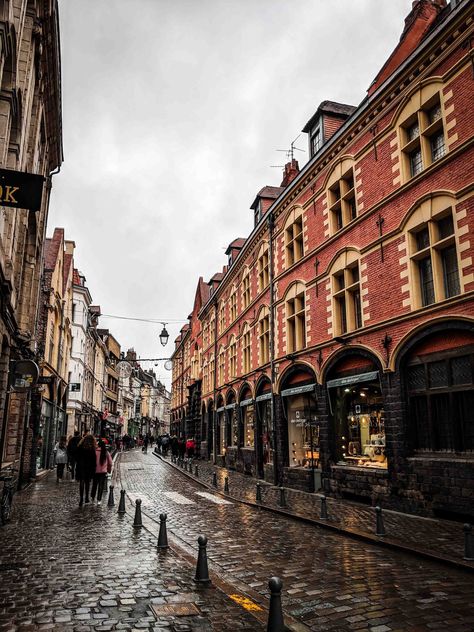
[(51, 248), (330, 107)]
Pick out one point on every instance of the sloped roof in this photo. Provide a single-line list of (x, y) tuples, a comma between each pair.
[(237, 243), (342, 110), (66, 270), (270, 193), (51, 248)]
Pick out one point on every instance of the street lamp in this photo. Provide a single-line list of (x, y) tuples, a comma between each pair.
[(164, 335)]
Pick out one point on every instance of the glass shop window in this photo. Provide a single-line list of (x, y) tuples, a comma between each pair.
[(265, 411), (249, 425), (303, 431)]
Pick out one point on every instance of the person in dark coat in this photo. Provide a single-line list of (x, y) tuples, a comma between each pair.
[(85, 466), (181, 447), (72, 452)]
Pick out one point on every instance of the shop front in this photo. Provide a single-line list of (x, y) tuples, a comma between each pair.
[(298, 397), (232, 439), (264, 432), (220, 433), (247, 453), (357, 419)]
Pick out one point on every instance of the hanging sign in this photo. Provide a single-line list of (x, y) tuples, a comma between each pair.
[(20, 190), (25, 375), (297, 390)]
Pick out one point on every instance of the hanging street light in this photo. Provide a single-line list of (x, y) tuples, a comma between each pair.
[(164, 335)]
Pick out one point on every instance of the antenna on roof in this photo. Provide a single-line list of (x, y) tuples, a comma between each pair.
[(290, 152)]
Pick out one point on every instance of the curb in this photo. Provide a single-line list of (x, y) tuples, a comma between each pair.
[(352, 533)]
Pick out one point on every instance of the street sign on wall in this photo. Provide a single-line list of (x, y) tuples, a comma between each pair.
[(20, 190)]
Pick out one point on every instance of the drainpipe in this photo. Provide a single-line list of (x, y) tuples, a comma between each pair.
[(271, 225), (214, 414)]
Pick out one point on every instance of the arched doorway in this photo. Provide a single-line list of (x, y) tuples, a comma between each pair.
[(264, 429), (220, 431), (210, 425), (232, 438)]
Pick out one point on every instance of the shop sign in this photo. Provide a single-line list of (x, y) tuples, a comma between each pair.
[(263, 398), (46, 379), (353, 379), (220, 409), (288, 392), (246, 402), (25, 375), (75, 387), (230, 406), (21, 190)]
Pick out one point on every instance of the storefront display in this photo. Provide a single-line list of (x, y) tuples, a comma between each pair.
[(303, 426), (359, 420), (232, 425), (248, 418), (264, 408), (221, 430)]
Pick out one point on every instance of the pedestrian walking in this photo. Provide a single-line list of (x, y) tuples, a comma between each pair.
[(181, 447), (145, 444), (165, 441), (86, 465), (103, 466), (190, 447), (72, 453), (60, 457)]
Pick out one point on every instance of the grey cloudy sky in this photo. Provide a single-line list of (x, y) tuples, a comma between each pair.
[(172, 112)]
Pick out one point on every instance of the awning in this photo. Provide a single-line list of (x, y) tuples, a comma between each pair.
[(230, 406), (353, 379), (308, 388), (264, 397), (220, 409), (246, 402)]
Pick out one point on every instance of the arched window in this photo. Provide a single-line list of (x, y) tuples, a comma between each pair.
[(263, 267), (246, 355), (264, 335), (222, 317), (295, 318), (221, 366), (345, 282), (246, 288), (341, 195), (294, 246), (232, 357), (233, 304)]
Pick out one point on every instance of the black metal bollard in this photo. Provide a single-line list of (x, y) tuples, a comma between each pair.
[(202, 572), (275, 614), (214, 479), (379, 526), (137, 521), (226, 485), (258, 493), (163, 536), (468, 543), (196, 471), (282, 502), (111, 501), (121, 507), (324, 508)]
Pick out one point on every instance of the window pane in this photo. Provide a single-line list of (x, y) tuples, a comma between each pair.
[(413, 131), (461, 370), (438, 374), (426, 281), (442, 420), (352, 208), (445, 227), (416, 162), (357, 309), (419, 422), (434, 114), (438, 148), (342, 312), (422, 239), (416, 378), (464, 405), (450, 272)]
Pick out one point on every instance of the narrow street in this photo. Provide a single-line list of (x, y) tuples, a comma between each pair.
[(87, 569)]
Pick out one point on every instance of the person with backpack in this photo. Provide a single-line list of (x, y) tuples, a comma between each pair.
[(60, 458), (102, 468)]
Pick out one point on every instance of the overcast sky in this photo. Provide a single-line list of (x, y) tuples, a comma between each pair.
[(172, 114)]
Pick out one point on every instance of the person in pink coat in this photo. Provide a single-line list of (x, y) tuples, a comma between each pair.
[(102, 468)]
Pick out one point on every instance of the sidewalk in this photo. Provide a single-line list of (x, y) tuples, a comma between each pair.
[(86, 569), (441, 540)]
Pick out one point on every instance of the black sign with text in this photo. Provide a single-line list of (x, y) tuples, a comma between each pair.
[(21, 190)]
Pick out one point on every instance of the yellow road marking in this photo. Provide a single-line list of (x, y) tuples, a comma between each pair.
[(246, 603)]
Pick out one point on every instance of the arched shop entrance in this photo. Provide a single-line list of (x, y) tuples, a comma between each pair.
[(264, 430), (220, 431), (210, 427), (356, 411), (300, 428), (232, 439), (204, 445), (247, 414)]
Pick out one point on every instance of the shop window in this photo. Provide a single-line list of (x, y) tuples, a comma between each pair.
[(264, 336), (233, 358), (347, 302), (342, 201), (303, 430), (358, 418), (295, 323), (422, 137), (220, 433), (434, 260), (248, 418), (246, 289), (233, 304), (440, 403), (265, 416), (294, 241), (233, 426), (246, 351), (263, 268)]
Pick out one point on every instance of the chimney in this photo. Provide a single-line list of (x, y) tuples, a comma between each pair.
[(417, 24), (291, 171)]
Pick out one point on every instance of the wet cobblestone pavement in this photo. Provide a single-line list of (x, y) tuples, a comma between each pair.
[(331, 582), (65, 568)]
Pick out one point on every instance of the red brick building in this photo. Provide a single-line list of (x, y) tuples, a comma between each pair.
[(336, 349)]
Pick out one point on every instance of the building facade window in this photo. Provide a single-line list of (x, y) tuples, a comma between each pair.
[(264, 336), (422, 132), (294, 246), (233, 358), (246, 341), (342, 200), (233, 304), (315, 140), (212, 366), (263, 268), (346, 300), (222, 318), (246, 289), (440, 390), (434, 260), (221, 368), (295, 319)]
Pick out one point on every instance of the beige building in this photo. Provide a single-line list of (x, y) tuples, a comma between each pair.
[(30, 141)]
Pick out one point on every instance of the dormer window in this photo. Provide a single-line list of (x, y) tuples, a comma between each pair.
[(315, 140), (257, 213)]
